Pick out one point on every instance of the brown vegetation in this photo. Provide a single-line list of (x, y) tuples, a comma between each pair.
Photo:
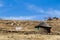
[(28, 28)]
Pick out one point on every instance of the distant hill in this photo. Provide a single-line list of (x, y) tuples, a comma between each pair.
[(28, 25)]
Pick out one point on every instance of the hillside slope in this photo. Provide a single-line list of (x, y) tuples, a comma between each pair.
[(27, 25)]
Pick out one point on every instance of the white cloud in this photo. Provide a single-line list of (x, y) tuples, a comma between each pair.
[(49, 11), (35, 8), (35, 17), (19, 18), (1, 5)]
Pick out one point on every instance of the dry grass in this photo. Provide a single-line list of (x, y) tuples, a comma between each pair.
[(28, 37), (28, 26)]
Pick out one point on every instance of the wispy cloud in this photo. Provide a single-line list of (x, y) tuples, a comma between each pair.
[(1, 4), (49, 11), (35, 8), (19, 18)]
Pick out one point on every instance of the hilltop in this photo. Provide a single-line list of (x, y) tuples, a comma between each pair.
[(28, 25)]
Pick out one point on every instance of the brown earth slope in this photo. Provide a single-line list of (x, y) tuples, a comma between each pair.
[(28, 25)]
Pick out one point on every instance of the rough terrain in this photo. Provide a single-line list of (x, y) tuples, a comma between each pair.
[(27, 26)]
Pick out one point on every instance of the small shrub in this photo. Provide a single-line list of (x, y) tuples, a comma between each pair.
[(49, 18), (55, 18)]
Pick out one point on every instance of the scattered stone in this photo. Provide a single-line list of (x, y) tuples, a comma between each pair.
[(18, 28)]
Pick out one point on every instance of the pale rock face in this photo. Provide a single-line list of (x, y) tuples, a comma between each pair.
[(12, 24), (18, 28), (18, 24)]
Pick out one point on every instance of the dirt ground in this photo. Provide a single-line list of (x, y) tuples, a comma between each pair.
[(28, 25), (16, 36)]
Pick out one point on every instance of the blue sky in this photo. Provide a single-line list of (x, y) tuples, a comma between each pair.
[(29, 9)]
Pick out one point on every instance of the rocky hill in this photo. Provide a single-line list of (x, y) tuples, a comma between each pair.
[(28, 25)]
